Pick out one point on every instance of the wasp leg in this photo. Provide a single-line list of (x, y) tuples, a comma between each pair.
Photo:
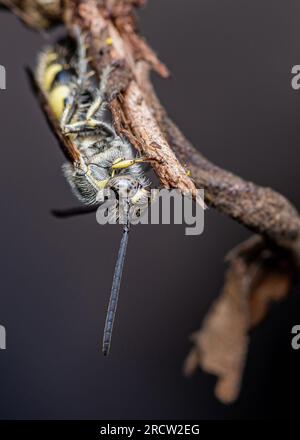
[(81, 82), (95, 114), (100, 99), (82, 65), (69, 110), (101, 93), (89, 126), (94, 108), (120, 163)]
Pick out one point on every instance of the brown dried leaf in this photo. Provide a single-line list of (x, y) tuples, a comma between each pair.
[(274, 287), (257, 277)]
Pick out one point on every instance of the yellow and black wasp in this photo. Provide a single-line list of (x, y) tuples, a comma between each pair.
[(99, 158)]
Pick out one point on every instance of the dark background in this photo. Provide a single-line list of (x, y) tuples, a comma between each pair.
[(230, 93)]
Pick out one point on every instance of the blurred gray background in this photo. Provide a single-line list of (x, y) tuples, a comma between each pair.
[(230, 92)]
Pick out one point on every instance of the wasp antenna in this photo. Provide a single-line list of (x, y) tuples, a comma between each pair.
[(114, 296)]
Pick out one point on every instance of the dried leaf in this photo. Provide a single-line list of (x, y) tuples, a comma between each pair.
[(257, 276)]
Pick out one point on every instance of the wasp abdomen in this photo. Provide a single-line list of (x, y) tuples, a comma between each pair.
[(55, 78)]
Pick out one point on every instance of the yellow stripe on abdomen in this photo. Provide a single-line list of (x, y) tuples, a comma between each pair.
[(50, 73), (57, 99)]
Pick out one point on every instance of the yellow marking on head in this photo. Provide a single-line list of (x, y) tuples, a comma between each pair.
[(50, 73), (57, 99), (109, 41)]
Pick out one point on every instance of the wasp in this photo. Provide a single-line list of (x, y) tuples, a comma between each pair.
[(99, 158)]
